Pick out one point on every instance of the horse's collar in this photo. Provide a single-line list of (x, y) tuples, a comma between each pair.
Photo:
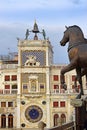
[(74, 45)]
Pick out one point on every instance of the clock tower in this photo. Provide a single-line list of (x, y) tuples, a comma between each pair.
[(34, 60)]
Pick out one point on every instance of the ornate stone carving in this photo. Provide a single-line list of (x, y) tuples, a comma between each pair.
[(31, 61)]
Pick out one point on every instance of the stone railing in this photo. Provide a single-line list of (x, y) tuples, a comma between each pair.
[(8, 66), (6, 91), (67, 126)]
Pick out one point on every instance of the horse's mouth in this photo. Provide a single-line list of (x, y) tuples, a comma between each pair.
[(61, 43)]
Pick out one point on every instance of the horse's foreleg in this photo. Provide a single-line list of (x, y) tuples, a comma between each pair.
[(84, 72), (62, 79), (70, 66), (67, 68), (63, 82)]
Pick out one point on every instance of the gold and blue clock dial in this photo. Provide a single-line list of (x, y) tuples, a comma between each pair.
[(33, 113)]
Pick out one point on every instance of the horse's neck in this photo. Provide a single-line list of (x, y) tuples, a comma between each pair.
[(75, 39)]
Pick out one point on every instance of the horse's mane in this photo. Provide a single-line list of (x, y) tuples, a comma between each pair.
[(77, 29), (75, 26)]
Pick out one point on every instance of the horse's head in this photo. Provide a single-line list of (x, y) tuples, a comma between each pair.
[(65, 38), (73, 34)]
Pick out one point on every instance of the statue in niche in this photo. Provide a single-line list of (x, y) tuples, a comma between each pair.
[(33, 85)]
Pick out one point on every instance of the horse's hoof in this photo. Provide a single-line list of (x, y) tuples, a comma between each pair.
[(64, 86)]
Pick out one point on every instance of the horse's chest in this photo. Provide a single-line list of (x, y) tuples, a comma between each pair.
[(73, 52)]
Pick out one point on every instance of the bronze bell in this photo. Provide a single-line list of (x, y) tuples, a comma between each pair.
[(35, 28)]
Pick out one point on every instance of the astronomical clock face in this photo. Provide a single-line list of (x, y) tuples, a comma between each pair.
[(33, 113)]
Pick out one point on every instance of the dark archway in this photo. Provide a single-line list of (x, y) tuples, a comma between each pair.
[(10, 121), (3, 121), (63, 118), (56, 116)]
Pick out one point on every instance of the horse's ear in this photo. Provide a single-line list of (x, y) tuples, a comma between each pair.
[(66, 27)]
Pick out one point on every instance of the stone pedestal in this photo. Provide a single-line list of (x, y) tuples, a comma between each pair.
[(80, 111)]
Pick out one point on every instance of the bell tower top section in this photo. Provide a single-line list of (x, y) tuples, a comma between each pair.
[(35, 31), (36, 52)]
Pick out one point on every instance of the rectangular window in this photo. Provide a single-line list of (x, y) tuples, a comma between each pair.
[(73, 77), (56, 87), (41, 86), (7, 77), (10, 104), (55, 77), (25, 86), (3, 104), (14, 77), (62, 104), (7, 86), (55, 104), (14, 86)]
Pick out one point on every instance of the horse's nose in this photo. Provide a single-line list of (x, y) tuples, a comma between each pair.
[(62, 43)]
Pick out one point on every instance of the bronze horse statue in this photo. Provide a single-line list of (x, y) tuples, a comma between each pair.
[(77, 53)]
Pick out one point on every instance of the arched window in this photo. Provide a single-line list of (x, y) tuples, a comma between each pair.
[(3, 121), (63, 118), (56, 116), (10, 121)]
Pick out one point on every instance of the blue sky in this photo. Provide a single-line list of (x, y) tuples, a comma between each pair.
[(52, 15)]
